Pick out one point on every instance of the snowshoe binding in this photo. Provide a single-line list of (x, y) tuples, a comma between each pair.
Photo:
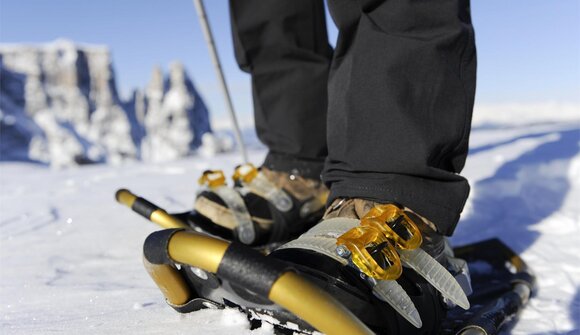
[(263, 206)]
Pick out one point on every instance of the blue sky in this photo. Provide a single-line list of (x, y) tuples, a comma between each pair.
[(528, 50)]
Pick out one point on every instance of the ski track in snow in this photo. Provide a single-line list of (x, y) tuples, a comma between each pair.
[(70, 256)]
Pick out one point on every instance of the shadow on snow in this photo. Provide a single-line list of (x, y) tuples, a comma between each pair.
[(522, 193)]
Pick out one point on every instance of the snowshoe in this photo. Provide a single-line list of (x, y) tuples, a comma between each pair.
[(304, 285)]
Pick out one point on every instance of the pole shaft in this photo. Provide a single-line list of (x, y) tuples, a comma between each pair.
[(216, 62)]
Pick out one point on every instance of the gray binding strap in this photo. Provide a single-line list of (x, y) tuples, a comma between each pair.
[(438, 276), (322, 237), (233, 200), (320, 244), (392, 293), (333, 227), (267, 190)]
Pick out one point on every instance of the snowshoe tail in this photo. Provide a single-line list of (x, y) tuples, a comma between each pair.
[(502, 285), (188, 220), (148, 210)]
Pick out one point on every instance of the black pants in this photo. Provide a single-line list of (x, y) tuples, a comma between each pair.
[(386, 116)]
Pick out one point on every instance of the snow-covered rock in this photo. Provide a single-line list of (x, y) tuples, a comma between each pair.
[(70, 94), (60, 106), (175, 116), (214, 143), (19, 134)]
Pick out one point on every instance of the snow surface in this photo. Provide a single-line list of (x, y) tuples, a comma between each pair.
[(70, 255)]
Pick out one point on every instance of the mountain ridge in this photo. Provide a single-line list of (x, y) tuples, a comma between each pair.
[(60, 106)]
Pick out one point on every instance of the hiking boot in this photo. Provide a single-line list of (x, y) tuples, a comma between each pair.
[(263, 206), (433, 242)]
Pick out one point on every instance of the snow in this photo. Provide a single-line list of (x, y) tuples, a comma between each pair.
[(70, 255)]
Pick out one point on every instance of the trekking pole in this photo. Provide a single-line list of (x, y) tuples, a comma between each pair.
[(216, 62)]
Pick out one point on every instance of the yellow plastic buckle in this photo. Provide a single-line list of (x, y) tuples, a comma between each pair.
[(395, 225), (245, 173), (212, 178), (384, 227), (359, 240)]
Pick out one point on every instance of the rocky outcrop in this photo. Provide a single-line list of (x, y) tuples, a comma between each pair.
[(60, 105), (175, 117), (70, 94), (19, 134)]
